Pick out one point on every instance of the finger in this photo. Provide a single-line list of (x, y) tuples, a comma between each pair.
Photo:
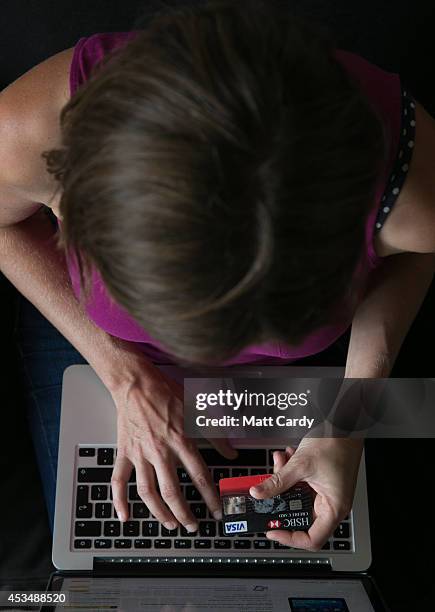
[(146, 488), (120, 476), (279, 460), (319, 532), (172, 495), (200, 475), (223, 447), (280, 481), (290, 451)]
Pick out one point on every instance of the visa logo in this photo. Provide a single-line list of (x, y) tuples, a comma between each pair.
[(236, 527)]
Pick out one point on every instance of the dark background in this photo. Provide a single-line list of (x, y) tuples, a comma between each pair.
[(395, 35)]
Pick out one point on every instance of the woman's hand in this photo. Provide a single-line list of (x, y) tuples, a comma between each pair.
[(151, 439), (330, 467)]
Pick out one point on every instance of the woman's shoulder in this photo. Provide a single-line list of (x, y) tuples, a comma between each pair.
[(404, 215), (29, 125), (410, 226)]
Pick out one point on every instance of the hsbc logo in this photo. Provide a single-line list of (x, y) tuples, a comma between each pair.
[(274, 524)]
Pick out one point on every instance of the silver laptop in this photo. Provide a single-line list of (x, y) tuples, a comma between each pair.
[(87, 535)]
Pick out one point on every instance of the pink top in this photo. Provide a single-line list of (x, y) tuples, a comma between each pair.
[(383, 89)]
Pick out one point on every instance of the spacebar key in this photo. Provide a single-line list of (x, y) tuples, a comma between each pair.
[(94, 474), (246, 456)]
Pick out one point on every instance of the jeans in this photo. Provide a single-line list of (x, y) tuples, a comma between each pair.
[(45, 354)]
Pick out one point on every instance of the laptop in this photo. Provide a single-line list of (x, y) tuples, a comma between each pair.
[(90, 544)]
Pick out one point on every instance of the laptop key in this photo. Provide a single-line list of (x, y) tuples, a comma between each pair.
[(115, 514), (86, 452), (98, 492), (199, 510), (82, 544), (279, 545), (87, 528), (162, 543), (207, 529), (246, 457), (103, 510), (183, 476), (341, 545), (140, 543), (258, 471), (84, 511), (130, 529), (187, 534), (82, 494), (94, 474), (122, 543), (105, 456), (103, 543), (222, 544), (242, 544), (183, 543), (150, 529), (168, 533), (133, 495), (112, 528), (140, 511), (342, 531), (202, 543), (262, 544), (192, 493), (239, 472), (326, 546), (219, 473)]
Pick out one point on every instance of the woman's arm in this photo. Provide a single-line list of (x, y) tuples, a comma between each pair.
[(383, 318), (398, 287), (150, 436), (395, 293)]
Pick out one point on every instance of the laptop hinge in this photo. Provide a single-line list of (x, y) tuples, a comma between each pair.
[(179, 565)]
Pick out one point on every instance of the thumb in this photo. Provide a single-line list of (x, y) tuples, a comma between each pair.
[(223, 447), (282, 480)]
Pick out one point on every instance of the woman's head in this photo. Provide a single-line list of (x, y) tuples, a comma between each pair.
[(218, 172)]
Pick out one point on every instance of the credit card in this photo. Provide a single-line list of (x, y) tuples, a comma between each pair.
[(242, 513)]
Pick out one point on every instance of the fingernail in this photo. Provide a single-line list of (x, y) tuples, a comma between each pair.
[(256, 490), (170, 525), (217, 514), (192, 527)]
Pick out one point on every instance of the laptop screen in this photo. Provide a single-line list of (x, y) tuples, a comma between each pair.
[(216, 594)]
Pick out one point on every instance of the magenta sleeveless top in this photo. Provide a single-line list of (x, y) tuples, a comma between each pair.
[(385, 93)]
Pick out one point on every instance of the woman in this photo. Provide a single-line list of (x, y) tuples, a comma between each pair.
[(230, 189)]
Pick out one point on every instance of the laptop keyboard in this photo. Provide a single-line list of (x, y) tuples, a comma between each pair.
[(96, 526)]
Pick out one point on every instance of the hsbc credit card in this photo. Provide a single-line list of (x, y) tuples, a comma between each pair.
[(289, 511)]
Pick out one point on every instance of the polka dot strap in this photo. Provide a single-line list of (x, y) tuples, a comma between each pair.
[(401, 165)]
